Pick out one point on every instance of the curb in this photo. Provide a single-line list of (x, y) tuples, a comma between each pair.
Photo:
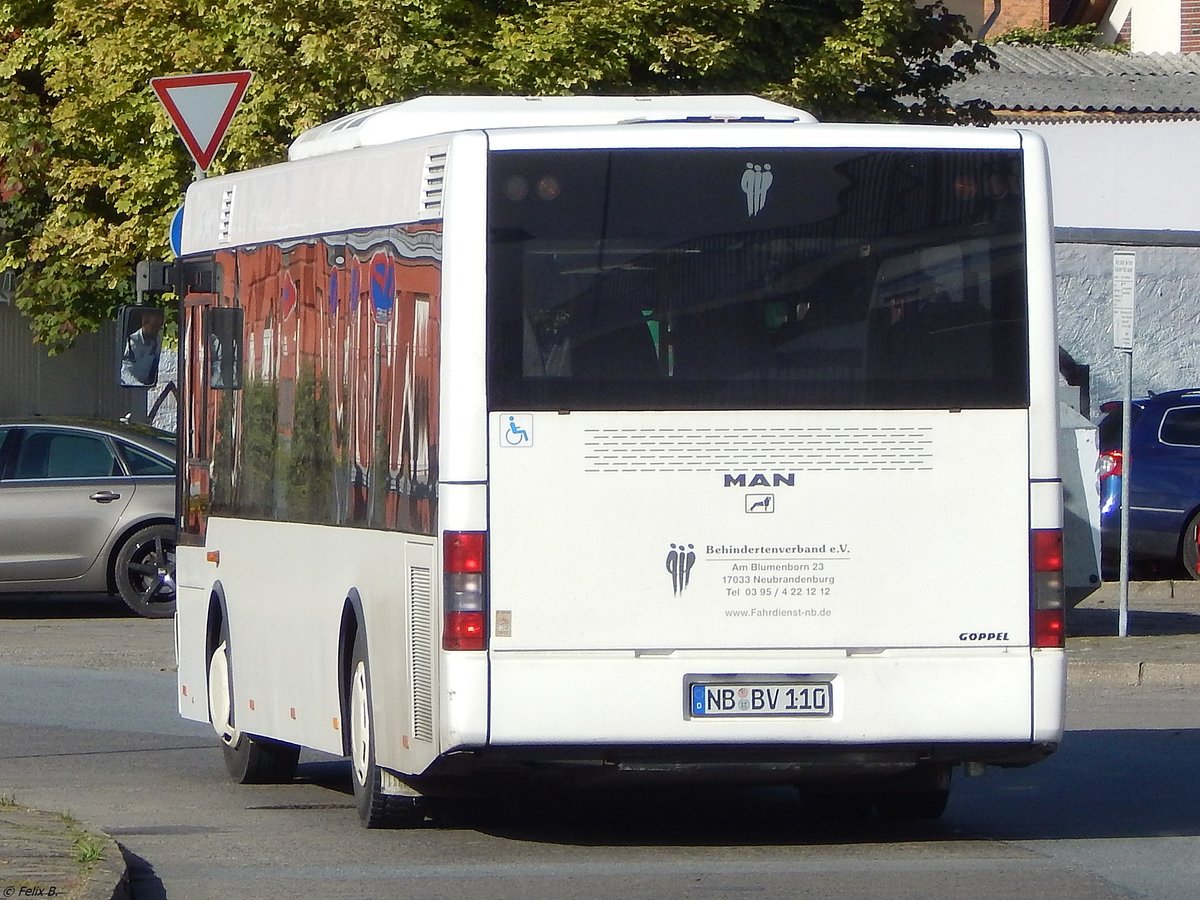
[(109, 880), (38, 858), (1131, 673)]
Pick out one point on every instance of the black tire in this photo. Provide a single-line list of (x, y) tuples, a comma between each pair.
[(249, 760), (1189, 547), (375, 808), (922, 794), (144, 571)]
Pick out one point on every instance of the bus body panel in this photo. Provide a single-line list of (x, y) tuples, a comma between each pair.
[(463, 391), (831, 529), (885, 697), (1043, 329), (286, 677), (1049, 694)]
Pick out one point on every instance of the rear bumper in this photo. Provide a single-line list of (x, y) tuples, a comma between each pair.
[(709, 764), (982, 696)]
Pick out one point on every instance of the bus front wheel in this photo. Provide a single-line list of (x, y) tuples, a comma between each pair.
[(376, 809), (249, 760)]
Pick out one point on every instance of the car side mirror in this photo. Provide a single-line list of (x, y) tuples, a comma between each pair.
[(139, 336)]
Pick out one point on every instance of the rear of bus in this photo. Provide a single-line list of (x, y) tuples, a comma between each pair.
[(772, 484)]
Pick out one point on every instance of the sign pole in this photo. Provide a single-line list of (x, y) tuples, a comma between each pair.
[(1124, 278)]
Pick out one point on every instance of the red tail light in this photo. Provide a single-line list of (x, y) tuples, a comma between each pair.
[(1048, 623), (1110, 463), (464, 564), (1048, 628)]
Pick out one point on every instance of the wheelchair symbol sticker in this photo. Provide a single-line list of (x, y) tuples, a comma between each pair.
[(516, 431)]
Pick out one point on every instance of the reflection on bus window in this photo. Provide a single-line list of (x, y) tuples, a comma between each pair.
[(225, 349)]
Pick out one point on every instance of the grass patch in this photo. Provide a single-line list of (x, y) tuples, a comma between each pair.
[(89, 849)]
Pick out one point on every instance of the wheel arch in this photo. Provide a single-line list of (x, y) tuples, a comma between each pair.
[(218, 614), (1188, 518), (353, 624)]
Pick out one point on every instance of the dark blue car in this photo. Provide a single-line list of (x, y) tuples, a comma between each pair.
[(1163, 469)]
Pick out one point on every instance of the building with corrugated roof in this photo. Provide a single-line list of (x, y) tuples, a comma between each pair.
[(1123, 132)]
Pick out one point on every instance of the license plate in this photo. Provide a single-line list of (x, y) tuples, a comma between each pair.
[(709, 699)]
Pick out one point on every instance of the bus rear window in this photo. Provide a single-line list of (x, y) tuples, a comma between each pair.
[(756, 279)]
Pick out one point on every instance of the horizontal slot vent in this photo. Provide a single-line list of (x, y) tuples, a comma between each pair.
[(433, 183), (792, 449)]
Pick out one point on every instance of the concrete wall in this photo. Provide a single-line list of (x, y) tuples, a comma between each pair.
[(1128, 186), (1166, 317), (1130, 175)]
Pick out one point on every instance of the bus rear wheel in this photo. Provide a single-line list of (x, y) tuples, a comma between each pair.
[(249, 760), (376, 809)]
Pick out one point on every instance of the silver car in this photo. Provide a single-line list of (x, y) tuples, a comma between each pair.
[(88, 506)]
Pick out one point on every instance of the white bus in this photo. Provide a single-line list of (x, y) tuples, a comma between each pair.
[(607, 439)]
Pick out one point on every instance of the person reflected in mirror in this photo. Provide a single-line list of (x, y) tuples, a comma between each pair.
[(139, 362)]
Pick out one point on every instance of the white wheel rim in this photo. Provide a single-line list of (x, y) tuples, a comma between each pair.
[(360, 723), (220, 705)]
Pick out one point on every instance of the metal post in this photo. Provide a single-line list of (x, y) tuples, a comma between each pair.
[(1124, 295), (1126, 422)]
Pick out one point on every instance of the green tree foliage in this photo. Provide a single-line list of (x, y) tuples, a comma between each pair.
[(1073, 37), (91, 170)]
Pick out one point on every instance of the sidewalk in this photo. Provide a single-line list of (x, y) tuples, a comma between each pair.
[(51, 855), (40, 852), (1163, 646)]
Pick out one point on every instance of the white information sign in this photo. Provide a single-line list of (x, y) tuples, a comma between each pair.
[(1124, 273)]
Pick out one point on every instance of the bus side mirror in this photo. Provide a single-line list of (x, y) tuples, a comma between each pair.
[(139, 345)]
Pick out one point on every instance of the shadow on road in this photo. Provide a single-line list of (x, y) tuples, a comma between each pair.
[(1102, 784), (1103, 622), (144, 884), (63, 606)]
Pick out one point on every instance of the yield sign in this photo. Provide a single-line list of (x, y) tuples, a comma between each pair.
[(201, 108)]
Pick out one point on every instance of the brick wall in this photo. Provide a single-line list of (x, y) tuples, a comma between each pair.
[(1189, 26), (1023, 14)]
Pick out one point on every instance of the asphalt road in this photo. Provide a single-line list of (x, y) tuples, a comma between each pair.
[(1114, 813)]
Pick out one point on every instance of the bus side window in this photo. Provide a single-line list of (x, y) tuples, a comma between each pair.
[(224, 346)]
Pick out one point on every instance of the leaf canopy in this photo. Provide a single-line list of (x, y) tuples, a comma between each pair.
[(91, 169)]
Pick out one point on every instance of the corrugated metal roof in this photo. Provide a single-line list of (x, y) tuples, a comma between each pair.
[(1025, 60), (1046, 79)]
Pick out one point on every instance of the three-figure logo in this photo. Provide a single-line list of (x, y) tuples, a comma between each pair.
[(756, 181), (680, 560)]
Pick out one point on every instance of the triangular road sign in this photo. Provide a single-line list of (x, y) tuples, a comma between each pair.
[(201, 108)]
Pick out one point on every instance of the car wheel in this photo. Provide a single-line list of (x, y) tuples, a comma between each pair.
[(1189, 548), (144, 571), (249, 760), (375, 808)]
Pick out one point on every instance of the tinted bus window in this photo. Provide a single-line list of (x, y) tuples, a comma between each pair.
[(712, 279)]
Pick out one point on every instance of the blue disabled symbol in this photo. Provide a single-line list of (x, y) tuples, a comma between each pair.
[(515, 434)]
